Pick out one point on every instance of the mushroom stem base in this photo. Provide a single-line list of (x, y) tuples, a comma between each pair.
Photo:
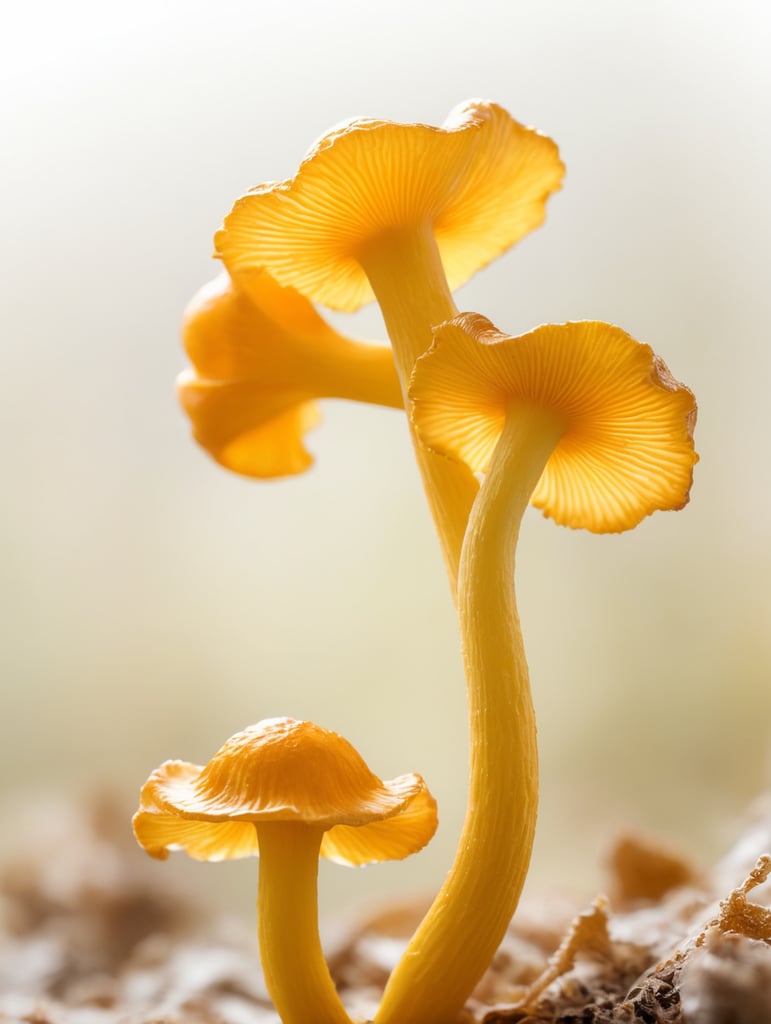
[(296, 973), (458, 937)]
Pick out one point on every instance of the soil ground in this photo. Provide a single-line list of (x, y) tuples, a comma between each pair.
[(88, 937)]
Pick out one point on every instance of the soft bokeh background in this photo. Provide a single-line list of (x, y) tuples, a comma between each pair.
[(152, 604)]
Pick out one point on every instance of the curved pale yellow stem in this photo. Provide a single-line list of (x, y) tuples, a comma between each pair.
[(457, 939), (296, 973), (406, 274)]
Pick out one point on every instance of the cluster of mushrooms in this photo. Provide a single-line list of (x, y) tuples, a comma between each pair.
[(577, 419)]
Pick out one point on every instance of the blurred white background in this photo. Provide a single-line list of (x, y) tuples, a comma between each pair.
[(152, 604)]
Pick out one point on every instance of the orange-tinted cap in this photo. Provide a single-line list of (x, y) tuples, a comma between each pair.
[(260, 356), (288, 771), (627, 446), (481, 182)]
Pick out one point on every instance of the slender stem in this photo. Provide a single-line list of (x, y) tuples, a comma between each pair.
[(359, 372), (235, 337), (458, 938), (296, 973), (406, 274)]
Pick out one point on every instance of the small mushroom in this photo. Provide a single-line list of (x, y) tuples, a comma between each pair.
[(261, 355), (287, 790), (588, 425), (404, 213)]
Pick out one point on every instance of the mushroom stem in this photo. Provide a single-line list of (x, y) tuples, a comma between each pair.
[(406, 274), (468, 919), (296, 973), (360, 373)]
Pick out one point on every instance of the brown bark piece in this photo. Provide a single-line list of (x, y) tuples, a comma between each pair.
[(645, 870)]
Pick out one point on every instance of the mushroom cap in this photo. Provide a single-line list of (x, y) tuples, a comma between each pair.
[(288, 771), (245, 406), (627, 447), (481, 181)]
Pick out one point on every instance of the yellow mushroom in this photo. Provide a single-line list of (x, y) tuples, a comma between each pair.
[(261, 355), (588, 425), (287, 790), (404, 213)]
